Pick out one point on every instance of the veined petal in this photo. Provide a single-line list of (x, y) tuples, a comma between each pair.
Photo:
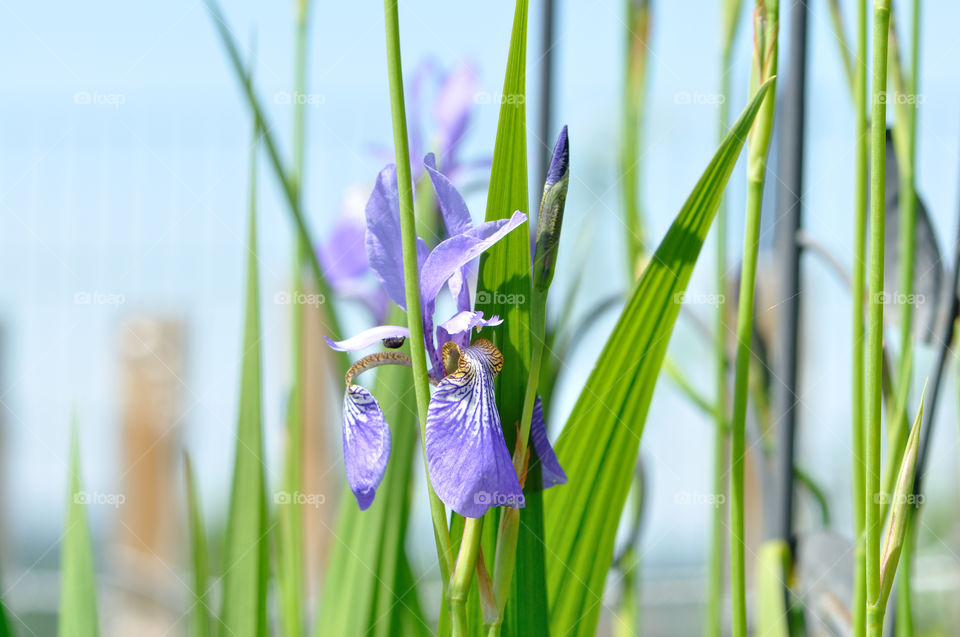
[(367, 338), (468, 461), (384, 251), (366, 444), (550, 468), (453, 209), (452, 254)]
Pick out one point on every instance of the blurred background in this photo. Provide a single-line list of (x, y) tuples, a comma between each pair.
[(123, 184)]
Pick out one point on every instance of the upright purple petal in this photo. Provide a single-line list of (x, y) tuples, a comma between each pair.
[(367, 338), (457, 329), (342, 254), (384, 251), (550, 468), (366, 444), (452, 106), (452, 254), (468, 461), (453, 209)]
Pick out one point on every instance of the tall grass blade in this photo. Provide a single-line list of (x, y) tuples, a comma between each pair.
[(200, 606), (78, 586), (504, 280), (599, 445), (244, 611)]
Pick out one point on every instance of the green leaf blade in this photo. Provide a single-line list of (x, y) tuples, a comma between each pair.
[(78, 597), (246, 566), (599, 445)]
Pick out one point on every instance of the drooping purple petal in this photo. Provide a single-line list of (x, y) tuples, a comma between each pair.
[(550, 468), (366, 444), (453, 209), (452, 254), (367, 338), (384, 251), (468, 461)]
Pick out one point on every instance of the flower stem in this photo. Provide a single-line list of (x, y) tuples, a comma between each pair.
[(878, 123), (463, 574), (764, 67), (506, 555), (859, 276), (418, 355), (714, 614)]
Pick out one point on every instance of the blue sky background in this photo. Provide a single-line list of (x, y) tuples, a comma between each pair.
[(147, 199)]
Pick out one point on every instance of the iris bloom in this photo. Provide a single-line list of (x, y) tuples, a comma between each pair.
[(468, 461)]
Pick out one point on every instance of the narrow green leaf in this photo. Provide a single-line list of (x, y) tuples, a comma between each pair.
[(369, 587), (246, 556), (503, 288), (773, 569), (78, 596), (902, 503), (199, 561), (599, 445)]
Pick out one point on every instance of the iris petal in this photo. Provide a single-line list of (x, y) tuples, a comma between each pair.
[(470, 467), (384, 251), (366, 444), (452, 254), (367, 338), (550, 469)]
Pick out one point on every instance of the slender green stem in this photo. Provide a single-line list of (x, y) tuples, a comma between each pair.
[(766, 29), (411, 278), (463, 574), (291, 572), (858, 283), (638, 29), (908, 224), (506, 554), (738, 429), (878, 122), (714, 615)]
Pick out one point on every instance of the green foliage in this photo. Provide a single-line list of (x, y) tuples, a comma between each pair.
[(199, 560), (78, 586), (599, 445), (244, 609)]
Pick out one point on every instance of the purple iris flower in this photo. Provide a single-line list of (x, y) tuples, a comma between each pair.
[(470, 466)]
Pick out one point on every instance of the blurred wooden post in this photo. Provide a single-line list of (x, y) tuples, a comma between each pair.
[(145, 553)]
